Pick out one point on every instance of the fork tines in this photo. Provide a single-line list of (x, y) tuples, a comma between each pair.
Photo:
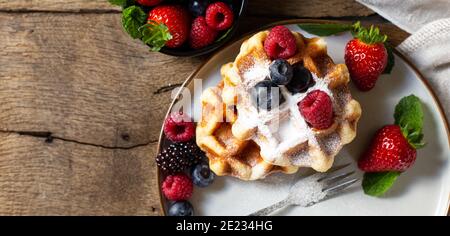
[(335, 183)]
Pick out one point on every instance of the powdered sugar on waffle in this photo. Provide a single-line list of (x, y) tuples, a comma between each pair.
[(258, 72), (282, 128)]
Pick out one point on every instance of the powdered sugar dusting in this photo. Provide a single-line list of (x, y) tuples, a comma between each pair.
[(330, 144), (256, 73), (307, 191)]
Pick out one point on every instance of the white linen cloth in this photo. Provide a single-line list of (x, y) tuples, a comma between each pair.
[(429, 45)]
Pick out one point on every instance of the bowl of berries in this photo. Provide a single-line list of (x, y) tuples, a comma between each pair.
[(184, 28)]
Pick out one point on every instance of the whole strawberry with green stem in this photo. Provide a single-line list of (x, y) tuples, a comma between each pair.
[(366, 57), (394, 148), (166, 25), (176, 20)]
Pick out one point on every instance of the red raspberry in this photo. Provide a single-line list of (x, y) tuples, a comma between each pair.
[(179, 127), (177, 187), (280, 44), (317, 109), (219, 16), (201, 34)]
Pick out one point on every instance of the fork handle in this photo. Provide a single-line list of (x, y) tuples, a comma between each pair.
[(270, 209)]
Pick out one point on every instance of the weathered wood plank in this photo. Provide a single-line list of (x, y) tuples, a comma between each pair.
[(56, 5), (62, 178), (307, 8), (291, 8), (81, 77)]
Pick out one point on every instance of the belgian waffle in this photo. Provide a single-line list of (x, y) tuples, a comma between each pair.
[(294, 143), (227, 154), (250, 144)]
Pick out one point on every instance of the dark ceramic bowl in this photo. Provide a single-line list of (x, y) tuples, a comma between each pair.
[(238, 9)]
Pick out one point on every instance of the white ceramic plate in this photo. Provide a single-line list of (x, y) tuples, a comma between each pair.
[(422, 190)]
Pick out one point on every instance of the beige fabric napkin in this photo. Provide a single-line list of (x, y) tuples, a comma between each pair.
[(429, 45)]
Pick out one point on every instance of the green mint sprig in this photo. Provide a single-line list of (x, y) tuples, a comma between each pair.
[(377, 184), (409, 116), (132, 19), (324, 30)]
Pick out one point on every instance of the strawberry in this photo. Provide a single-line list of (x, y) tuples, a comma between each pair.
[(176, 19), (149, 3), (366, 57), (393, 149), (390, 151)]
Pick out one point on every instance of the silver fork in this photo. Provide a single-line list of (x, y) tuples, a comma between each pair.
[(313, 189)]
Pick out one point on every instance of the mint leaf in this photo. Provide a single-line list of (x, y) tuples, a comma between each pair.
[(155, 35), (132, 19), (224, 35), (391, 58), (377, 184), (122, 3), (325, 29), (409, 116)]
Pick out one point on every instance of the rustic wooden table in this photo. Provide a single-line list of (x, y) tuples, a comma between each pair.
[(80, 106)]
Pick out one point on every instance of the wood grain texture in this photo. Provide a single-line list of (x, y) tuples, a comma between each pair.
[(80, 77), (307, 8), (62, 178), (289, 8), (56, 5)]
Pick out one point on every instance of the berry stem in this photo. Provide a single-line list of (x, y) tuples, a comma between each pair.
[(369, 36)]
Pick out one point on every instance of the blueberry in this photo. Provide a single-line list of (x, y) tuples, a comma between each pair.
[(301, 81), (281, 72), (198, 7), (202, 176), (267, 95), (182, 208)]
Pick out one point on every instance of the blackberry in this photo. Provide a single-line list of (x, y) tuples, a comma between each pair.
[(178, 157)]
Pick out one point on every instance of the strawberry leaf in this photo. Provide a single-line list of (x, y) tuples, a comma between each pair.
[(325, 29), (391, 58), (155, 35), (132, 19), (409, 116), (369, 36), (377, 184)]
